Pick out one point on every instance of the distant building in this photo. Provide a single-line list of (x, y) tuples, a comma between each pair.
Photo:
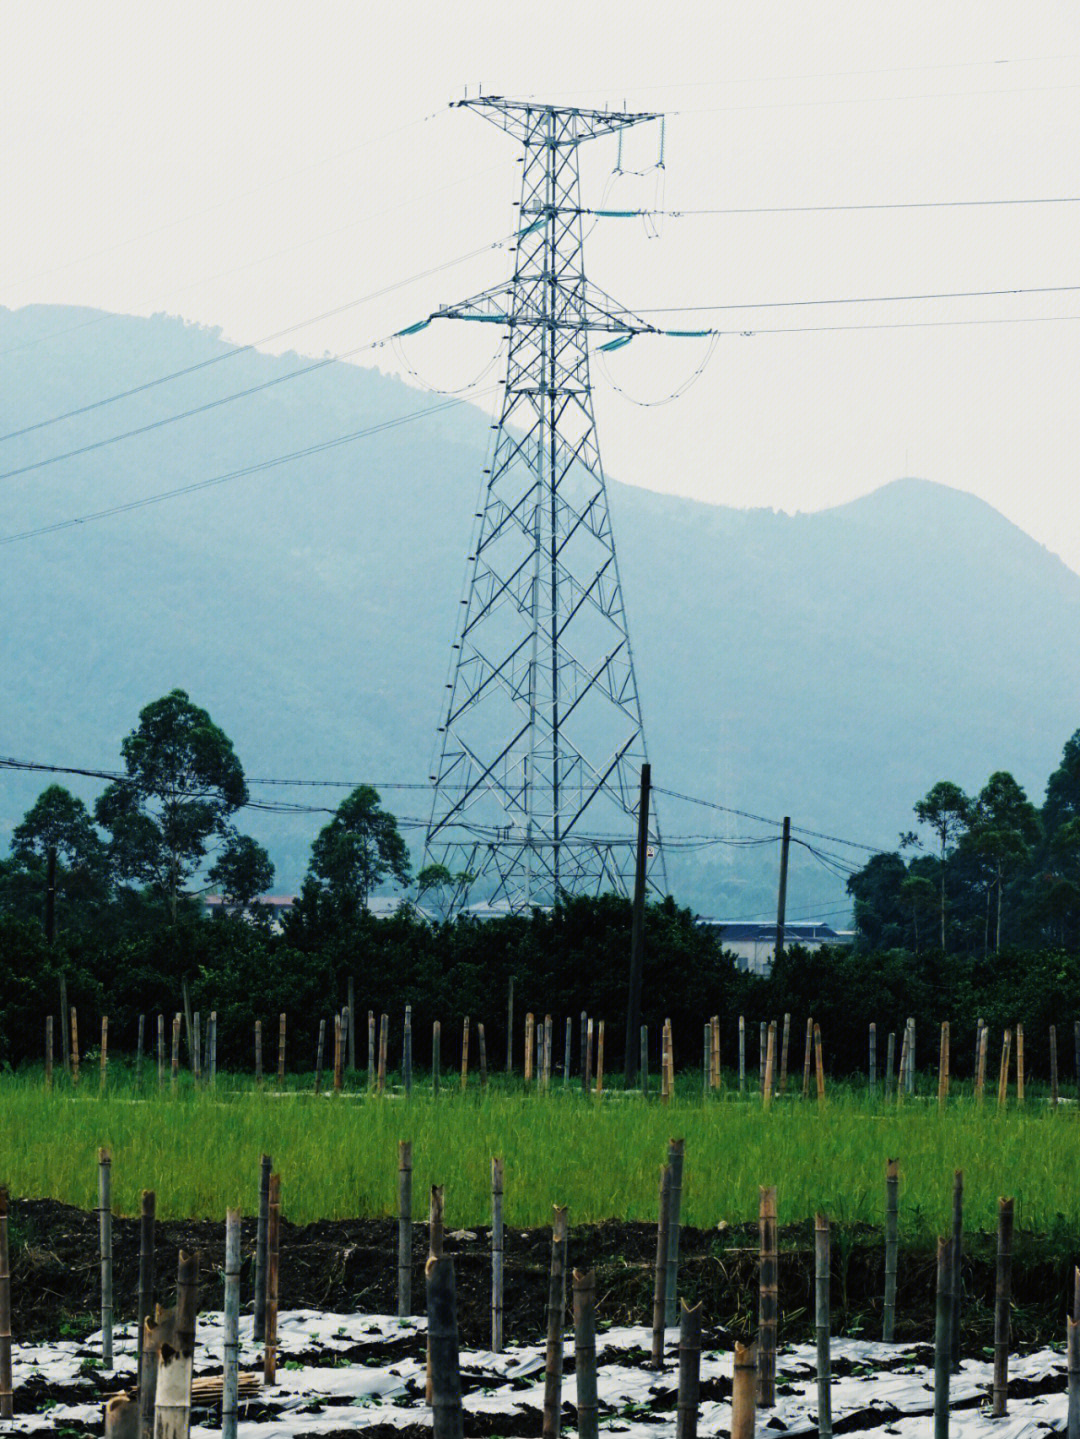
[(754, 945)]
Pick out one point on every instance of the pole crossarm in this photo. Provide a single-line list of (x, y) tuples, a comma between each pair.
[(503, 305), (570, 124)]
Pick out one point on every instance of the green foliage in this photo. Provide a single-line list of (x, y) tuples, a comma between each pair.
[(242, 870), (357, 851)]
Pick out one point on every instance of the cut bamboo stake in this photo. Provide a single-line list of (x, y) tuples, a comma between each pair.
[(436, 1054), (74, 1046), (892, 1229), (530, 1023), (675, 1156), (761, 1056), (1003, 1076), (901, 1078), (48, 1051), (821, 1324), (147, 1216), (435, 1251), (714, 1057), (258, 1332), (7, 1398), (767, 1305), (446, 1411), (890, 1063), (670, 1051), (873, 1060), (1019, 1064), (770, 1060), (911, 1057), (568, 1042), (943, 1067), (1002, 1299), (686, 1404), (160, 1050), (819, 1064), (212, 1043), (465, 1054), (337, 1053), (600, 1059), (584, 1047), (497, 1248), (406, 1052), (230, 1346), (643, 1064), (942, 1332), (806, 1071), (172, 1337), (556, 1310), (744, 1391), (549, 1048), (105, 1248), (384, 1040), (404, 1242), (1053, 1065), (783, 1050), (482, 1043), (1072, 1346), (742, 1054), (957, 1258), (980, 1073), (588, 1055), (174, 1073), (196, 1052), (281, 1052), (258, 1050), (585, 1353), (706, 1059), (104, 1058), (372, 1058), (320, 1045), (273, 1253), (660, 1270)]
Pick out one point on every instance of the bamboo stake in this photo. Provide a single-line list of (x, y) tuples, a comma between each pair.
[(549, 1047), (196, 1052), (761, 1056), (497, 1254), (742, 1054), (770, 1059), (337, 1053), (281, 1052), (530, 1023), (978, 1037), (147, 1216), (436, 1055), (406, 1052), (892, 1227), (319, 1054), (74, 1046), (643, 1063), (211, 1040), (911, 1057), (1072, 1346), (446, 1411), (584, 1047), (172, 1337), (585, 1353), (258, 1330), (957, 1255), (160, 1050), (1003, 1076), (767, 1299), (372, 1058), (660, 1270), (568, 1041), (942, 1331), (1019, 1064), (273, 1250), (805, 1074), (686, 1404), (174, 1074), (943, 1067), (588, 1055), (258, 1050), (7, 1399), (465, 1054), (890, 1061), (404, 1244), (104, 1061), (821, 1324), (482, 1041), (980, 1074), (873, 1060), (670, 1058), (230, 1346), (783, 1050), (556, 1309), (384, 1040), (819, 1064), (744, 1392), (714, 1055), (48, 1051), (901, 1078), (600, 1059), (435, 1251), (1002, 1299), (1053, 1066), (706, 1059), (105, 1248), (675, 1156)]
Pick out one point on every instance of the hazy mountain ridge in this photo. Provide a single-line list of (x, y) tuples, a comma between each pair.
[(829, 665)]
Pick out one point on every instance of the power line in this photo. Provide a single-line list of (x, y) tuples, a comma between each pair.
[(829, 209), (859, 300), (764, 819)]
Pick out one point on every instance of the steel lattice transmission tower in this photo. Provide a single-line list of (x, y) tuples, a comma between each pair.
[(536, 786)]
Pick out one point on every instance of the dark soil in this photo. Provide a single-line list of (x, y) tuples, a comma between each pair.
[(351, 1266)]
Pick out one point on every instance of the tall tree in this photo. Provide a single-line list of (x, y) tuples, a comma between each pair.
[(1004, 826), (359, 849), (59, 822), (946, 812), (183, 782), (243, 869)]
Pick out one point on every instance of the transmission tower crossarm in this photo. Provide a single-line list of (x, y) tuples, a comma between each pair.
[(571, 124), (503, 305)]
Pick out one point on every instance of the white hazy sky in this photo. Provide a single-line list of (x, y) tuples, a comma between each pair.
[(253, 165)]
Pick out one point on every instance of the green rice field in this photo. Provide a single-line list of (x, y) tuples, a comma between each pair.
[(337, 1154)]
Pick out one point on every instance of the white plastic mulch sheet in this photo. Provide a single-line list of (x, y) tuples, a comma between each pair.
[(341, 1372)]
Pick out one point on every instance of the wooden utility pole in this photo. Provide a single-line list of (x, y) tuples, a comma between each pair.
[(781, 903), (637, 935)]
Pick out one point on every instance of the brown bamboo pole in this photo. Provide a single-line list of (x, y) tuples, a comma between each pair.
[(497, 1256), (1003, 1076), (465, 1054), (600, 1059), (676, 1155), (819, 1064), (767, 1297), (670, 1058), (783, 1051), (770, 1060), (660, 1270), (48, 1051), (545, 1067), (556, 1310), (145, 1301), (1072, 1349), (404, 1288), (160, 1050), (482, 1041), (436, 1055), (74, 1046), (588, 1056), (942, 1334), (530, 1025), (664, 1093), (104, 1057), (762, 1041), (1020, 1064), (584, 1047), (957, 1259), (435, 1251), (1002, 1304), (822, 1257), (319, 1054), (273, 1251), (211, 1044), (980, 1077), (176, 1332), (585, 1353), (446, 1410), (281, 1052), (943, 1067), (807, 1059), (337, 1053), (892, 1245), (568, 1045), (706, 1060), (196, 1052), (406, 1052), (258, 1332), (372, 1056), (744, 1392), (742, 1053), (901, 1078), (714, 1054), (1053, 1066), (689, 1391), (105, 1250), (384, 1040), (7, 1398), (890, 1061), (258, 1050)]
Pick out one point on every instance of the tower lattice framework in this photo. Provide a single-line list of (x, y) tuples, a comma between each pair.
[(536, 788)]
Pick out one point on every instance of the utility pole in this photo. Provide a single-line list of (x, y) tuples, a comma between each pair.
[(541, 736), (781, 904), (637, 934)]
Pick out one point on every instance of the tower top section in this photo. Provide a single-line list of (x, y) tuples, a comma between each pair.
[(566, 124)]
